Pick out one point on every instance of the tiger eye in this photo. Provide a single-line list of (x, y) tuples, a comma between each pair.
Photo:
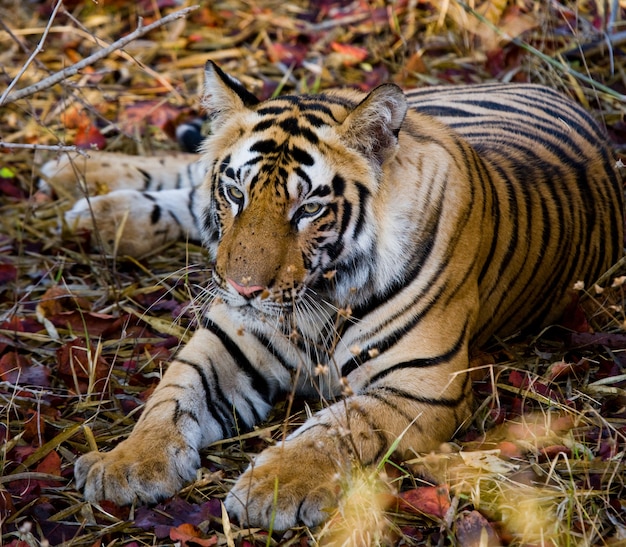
[(234, 193), (311, 208)]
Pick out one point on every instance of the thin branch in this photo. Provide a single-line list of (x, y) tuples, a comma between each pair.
[(34, 54), (75, 68), (53, 147)]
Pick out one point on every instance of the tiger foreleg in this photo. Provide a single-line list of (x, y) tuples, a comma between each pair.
[(129, 222), (203, 397), (301, 479)]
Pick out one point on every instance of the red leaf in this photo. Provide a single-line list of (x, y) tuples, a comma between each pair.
[(509, 449), (9, 184), (8, 272), (34, 428), (290, 54), (18, 369), (78, 362), (136, 118), (433, 501), (89, 137), (6, 504), (518, 379), (563, 369), (189, 535), (94, 324), (574, 317), (58, 299), (350, 55), (51, 465), (551, 452)]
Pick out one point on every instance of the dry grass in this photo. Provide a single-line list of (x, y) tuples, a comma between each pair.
[(84, 337)]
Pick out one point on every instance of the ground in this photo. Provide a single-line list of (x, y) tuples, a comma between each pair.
[(84, 336)]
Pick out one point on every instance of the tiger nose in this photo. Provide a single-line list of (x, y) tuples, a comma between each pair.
[(246, 290)]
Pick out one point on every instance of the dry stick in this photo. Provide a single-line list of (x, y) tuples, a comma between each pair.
[(75, 68), (53, 147), (34, 54)]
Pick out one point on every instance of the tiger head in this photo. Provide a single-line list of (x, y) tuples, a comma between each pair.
[(288, 203)]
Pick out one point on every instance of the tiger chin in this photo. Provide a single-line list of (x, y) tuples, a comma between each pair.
[(365, 245)]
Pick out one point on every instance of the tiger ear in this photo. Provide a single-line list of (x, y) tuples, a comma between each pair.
[(373, 126), (223, 94)]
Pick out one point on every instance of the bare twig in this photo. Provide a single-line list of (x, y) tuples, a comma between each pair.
[(75, 68), (34, 54), (53, 147)]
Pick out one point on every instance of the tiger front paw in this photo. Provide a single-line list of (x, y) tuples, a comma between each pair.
[(287, 484), (132, 473)]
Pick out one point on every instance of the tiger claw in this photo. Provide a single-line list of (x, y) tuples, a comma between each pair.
[(130, 474)]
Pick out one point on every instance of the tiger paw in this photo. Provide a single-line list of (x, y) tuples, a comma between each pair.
[(125, 222), (132, 473), (287, 484)]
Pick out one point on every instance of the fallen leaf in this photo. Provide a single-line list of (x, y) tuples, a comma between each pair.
[(18, 369), (349, 55), (173, 513), (10, 184), (6, 504), (58, 299), (50, 465), (290, 54), (89, 138), (551, 452), (433, 501), (137, 117), (8, 272), (81, 367), (189, 536), (474, 530), (488, 460), (34, 427), (564, 369)]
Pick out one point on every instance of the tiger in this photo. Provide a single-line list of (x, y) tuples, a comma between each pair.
[(365, 245)]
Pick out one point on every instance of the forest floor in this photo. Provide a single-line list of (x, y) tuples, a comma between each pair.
[(84, 336)]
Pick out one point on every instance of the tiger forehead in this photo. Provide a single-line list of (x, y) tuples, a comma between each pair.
[(292, 113), (269, 163), (281, 139)]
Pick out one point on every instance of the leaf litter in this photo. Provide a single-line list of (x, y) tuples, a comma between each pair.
[(84, 337)]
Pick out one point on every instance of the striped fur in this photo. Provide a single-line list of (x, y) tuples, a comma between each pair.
[(364, 246)]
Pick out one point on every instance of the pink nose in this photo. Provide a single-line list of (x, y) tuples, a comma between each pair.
[(246, 290)]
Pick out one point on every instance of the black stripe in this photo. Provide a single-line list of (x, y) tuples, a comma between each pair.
[(424, 362), (207, 390), (179, 413), (155, 215), (448, 402), (259, 383), (364, 195), (147, 178)]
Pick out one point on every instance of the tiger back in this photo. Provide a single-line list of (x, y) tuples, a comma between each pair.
[(364, 245), (555, 177)]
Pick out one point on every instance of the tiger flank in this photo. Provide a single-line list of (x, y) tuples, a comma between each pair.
[(364, 245)]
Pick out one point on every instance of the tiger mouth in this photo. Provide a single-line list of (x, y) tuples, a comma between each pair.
[(267, 301)]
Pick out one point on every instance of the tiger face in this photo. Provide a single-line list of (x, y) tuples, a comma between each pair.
[(279, 199)]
